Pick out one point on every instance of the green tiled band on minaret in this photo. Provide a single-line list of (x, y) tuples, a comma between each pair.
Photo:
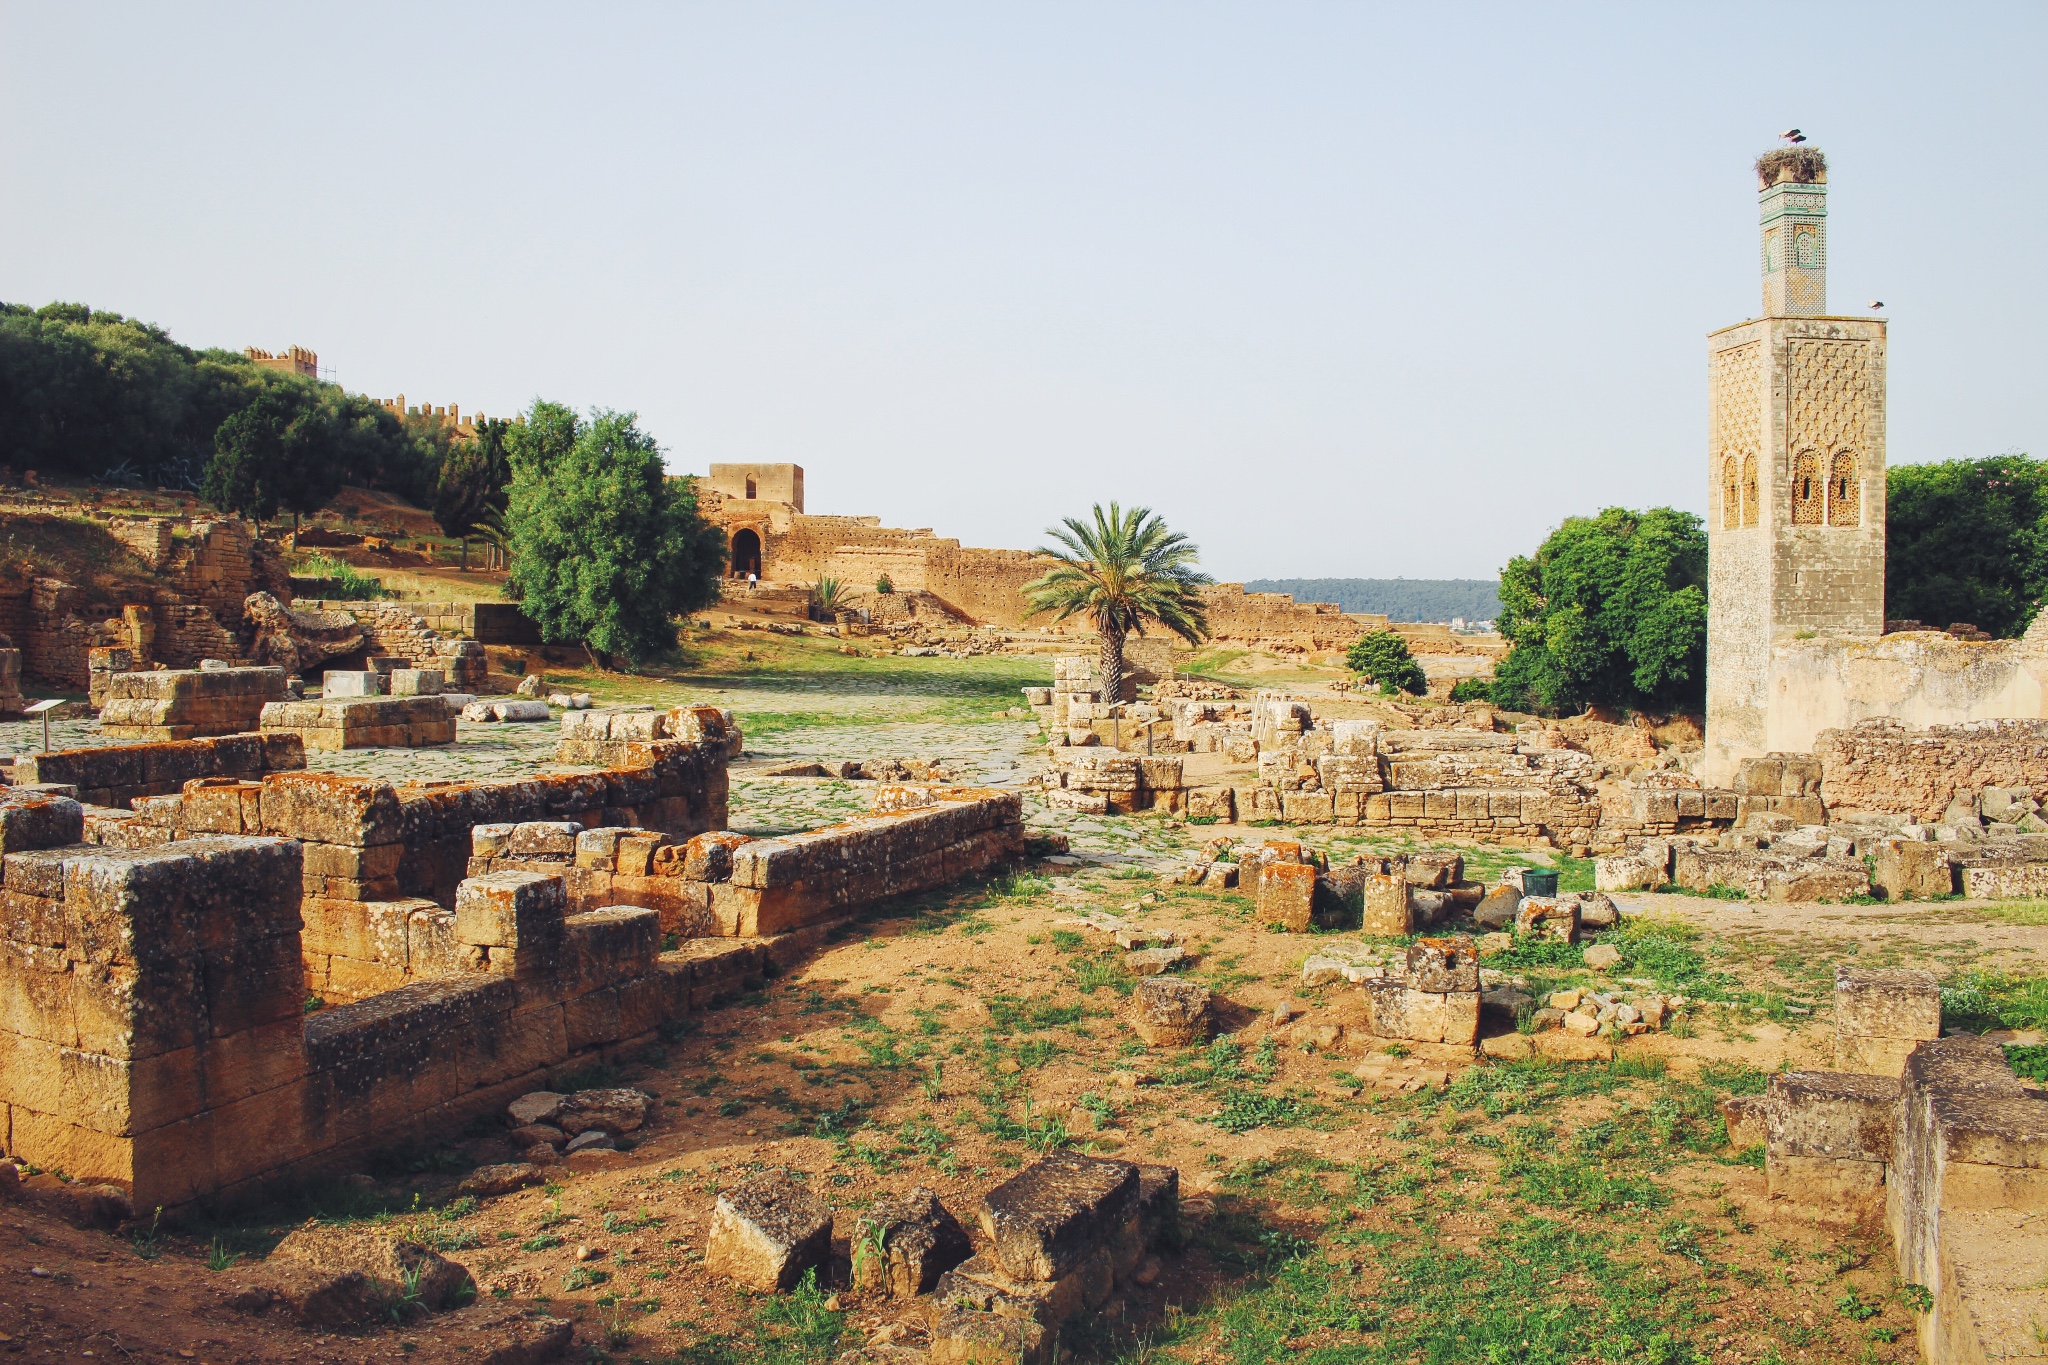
[(1792, 194)]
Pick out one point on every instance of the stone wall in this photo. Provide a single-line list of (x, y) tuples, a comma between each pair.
[(155, 1035), (117, 775), (986, 586), (1923, 678), (1463, 784), (177, 704), (1881, 765)]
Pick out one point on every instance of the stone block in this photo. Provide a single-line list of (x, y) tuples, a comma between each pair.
[(1442, 965), (1911, 869), (542, 839), (1307, 808), (767, 1231), (1834, 1114), (903, 1243), (1817, 879), (1394, 1010), (346, 683), (415, 682), (1169, 1011), (1043, 1222), (1548, 917), (1881, 1015), (513, 911), (1286, 894), (1387, 907), (1626, 873), (1213, 803)]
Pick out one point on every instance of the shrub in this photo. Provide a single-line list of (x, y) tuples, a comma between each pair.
[(1382, 657)]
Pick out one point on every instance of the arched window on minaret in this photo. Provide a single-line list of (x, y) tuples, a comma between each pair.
[(1731, 494), (1845, 491), (1751, 508), (1808, 497)]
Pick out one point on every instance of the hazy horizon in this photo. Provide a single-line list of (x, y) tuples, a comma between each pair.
[(1341, 291)]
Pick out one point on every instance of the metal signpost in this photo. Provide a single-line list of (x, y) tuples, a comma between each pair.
[(43, 709)]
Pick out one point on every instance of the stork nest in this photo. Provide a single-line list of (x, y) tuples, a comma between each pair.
[(1793, 165)]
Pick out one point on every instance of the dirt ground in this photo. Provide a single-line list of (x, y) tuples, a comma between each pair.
[(1524, 1211), (955, 1038)]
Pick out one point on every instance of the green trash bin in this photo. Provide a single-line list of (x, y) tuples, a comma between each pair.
[(1539, 882)]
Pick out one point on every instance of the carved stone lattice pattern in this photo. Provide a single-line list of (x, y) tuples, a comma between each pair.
[(1845, 491), (1738, 418), (1806, 489), (1828, 384)]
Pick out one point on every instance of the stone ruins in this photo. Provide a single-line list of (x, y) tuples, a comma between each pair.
[(156, 961), (1931, 1138), (760, 507)]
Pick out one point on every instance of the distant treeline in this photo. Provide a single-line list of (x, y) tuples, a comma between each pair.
[(87, 394), (1401, 599)]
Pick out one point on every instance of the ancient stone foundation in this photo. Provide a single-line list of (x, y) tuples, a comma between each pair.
[(170, 704), (152, 998), (1945, 1146), (406, 722), (117, 775)]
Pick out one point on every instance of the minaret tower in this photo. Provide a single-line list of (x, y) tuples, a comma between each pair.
[(1795, 470)]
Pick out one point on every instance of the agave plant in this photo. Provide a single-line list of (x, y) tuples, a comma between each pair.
[(1125, 571), (829, 597)]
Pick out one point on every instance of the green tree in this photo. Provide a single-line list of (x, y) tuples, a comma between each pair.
[(1382, 657), (280, 452), (472, 484), (1612, 609), (606, 550), (87, 393), (1124, 571), (1967, 540)]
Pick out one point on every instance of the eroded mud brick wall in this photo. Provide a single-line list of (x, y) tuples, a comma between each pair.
[(1884, 766)]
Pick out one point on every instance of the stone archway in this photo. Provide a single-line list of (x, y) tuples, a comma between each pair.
[(746, 552)]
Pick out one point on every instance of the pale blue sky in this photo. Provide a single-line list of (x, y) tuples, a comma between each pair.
[(1342, 290)]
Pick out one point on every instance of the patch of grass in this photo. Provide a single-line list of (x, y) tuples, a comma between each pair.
[(2030, 913), (1537, 1292), (1247, 1110), (1982, 1000), (344, 582), (1104, 969)]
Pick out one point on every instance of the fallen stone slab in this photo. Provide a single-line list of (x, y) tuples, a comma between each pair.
[(767, 1231), (903, 1243), (612, 1111), (502, 1178), (498, 1334), (539, 1106), (492, 711), (1043, 1222), (969, 1336), (350, 1275), (1154, 961), (1603, 956), (1496, 909)]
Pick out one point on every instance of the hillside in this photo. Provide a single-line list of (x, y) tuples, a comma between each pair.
[(1403, 599)]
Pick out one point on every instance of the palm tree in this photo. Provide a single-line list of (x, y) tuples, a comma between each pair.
[(1125, 571)]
